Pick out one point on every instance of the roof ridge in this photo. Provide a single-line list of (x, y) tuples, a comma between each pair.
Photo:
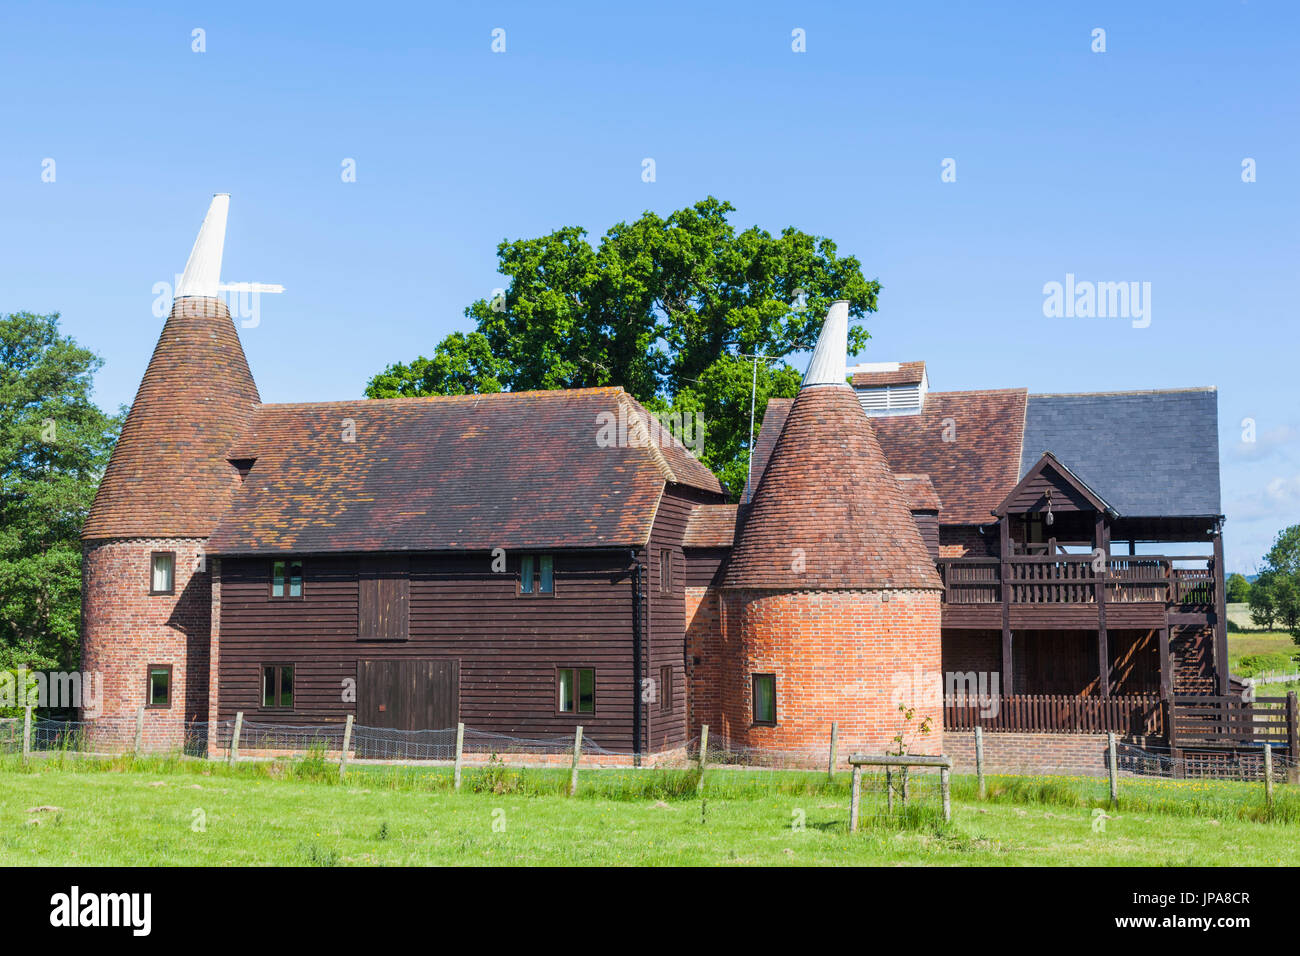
[(1131, 391), (473, 396)]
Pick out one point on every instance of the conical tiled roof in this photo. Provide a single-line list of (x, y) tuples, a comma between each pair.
[(828, 512), (169, 476)]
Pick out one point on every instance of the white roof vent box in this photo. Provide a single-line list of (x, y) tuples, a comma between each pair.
[(890, 388)]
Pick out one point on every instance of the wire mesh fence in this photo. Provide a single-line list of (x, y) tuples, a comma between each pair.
[(107, 736)]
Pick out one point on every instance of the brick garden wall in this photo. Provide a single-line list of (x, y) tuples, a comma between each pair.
[(1079, 754)]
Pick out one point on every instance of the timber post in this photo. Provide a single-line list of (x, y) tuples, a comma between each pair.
[(347, 743), (577, 753), (1292, 739), (830, 764), (234, 738), (1114, 770), (460, 755), (979, 760), (704, 756)]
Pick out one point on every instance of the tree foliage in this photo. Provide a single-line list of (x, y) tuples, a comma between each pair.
[(1275, 595), (1238, 588), (54, 444), (666, 307)]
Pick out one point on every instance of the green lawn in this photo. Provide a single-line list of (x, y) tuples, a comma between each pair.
[(173, 812)]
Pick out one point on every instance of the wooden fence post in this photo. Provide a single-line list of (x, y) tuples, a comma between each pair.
[(946, 786), (835, 739), (577, 752), (704, 755), (1292, 739), (27, 732), (1114, 770), (1268, 775), (139, 730), (889, 789), (460, 755), (855, 794), (347, 744), (979, 760), (234, 740)]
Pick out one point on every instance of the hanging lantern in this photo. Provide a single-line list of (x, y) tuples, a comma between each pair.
[(1050, 517)]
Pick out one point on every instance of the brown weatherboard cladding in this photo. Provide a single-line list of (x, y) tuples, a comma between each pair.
[(466, 472), (168, 476), (828, 500)]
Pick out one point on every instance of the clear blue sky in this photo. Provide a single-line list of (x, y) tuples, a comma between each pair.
[(1115, 166)]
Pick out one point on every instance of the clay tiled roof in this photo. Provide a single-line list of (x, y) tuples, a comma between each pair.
[(971, 474), (907, 373), (710, 526), (511, 470), (828, 501), (168, 476), (974, 471), (919, 492)]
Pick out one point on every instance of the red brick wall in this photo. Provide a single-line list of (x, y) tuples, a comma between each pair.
[(125, 629), (965, 541), (703, 659), (847, 656), (1083, 754)]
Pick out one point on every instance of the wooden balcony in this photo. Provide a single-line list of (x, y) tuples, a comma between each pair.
[(1167, 580), (1139, 715)]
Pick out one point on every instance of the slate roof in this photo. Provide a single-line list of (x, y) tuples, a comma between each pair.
[(828, 500), (1148, 453), (168, 475), (971, 474), (467, 472)]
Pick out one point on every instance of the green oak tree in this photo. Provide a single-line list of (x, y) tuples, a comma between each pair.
[(1238, 588), (670, 308), (54, 445), (1275, 595)]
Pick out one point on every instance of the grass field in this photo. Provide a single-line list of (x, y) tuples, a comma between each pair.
[(1255, 652), (172, 812)]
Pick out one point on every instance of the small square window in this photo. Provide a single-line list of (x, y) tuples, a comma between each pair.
[(160, 685), (286, 578), (277, 686), (537, 574), (765, 700), (576, 690), (162, 572), (666, 688)]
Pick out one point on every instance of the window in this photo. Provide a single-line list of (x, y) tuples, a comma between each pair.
[(576, 690), (160, 685), (765, 700), (162, 572), (665, 688), (286, 578), (665, 570), (277, 686), (537, 574)]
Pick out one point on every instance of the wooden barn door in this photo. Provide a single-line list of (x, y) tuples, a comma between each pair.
[(406, 695)]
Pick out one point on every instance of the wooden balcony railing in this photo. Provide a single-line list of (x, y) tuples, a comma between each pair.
[(1056, 714), (1073, 579)]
